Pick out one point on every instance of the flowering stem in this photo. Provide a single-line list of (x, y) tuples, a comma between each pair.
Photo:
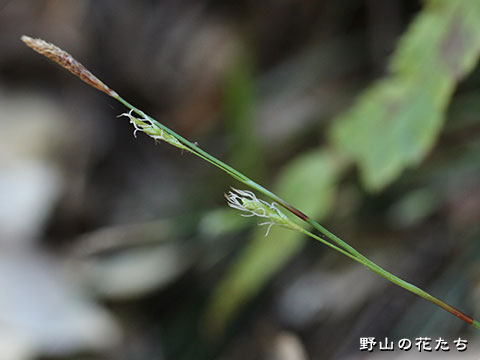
[(396, 280), (341, 246), (65, 60)]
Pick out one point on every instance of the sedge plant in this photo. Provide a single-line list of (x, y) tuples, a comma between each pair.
[(243, 200)]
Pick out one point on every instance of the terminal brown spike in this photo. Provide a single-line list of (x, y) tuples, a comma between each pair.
[(68, 62)]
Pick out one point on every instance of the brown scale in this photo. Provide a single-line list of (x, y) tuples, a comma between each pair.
[(68, 62)]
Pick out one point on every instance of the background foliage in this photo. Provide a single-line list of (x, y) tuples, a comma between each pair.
[(362, 113)]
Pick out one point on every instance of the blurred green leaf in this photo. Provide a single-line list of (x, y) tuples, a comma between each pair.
[(395, 123), (239, 102), (309, 180), (220, 222), (414, 207)]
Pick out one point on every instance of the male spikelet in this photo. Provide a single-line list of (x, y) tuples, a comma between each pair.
[(67, 61)]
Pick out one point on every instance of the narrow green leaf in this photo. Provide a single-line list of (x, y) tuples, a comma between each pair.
[(246, 154)]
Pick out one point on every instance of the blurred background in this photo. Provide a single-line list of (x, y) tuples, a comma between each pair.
[(362, 113)]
